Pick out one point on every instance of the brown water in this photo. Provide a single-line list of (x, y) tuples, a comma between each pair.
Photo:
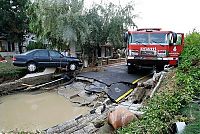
[(36, 112)]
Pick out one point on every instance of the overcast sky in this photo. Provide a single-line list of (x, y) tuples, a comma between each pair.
[(175, 15)]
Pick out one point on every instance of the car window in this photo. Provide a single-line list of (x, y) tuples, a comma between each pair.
[(41, 53), (55, 54)]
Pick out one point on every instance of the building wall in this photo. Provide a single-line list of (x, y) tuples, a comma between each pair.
[(8, 49), (3, 46), (106, 51)]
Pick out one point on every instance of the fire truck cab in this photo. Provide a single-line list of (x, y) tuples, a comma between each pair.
[(152, 47)]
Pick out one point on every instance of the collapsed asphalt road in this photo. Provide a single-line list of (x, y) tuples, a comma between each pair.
[(118, 82), (114, 74), (95, 90)]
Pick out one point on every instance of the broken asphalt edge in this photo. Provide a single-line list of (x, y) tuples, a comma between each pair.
[(131, 90)]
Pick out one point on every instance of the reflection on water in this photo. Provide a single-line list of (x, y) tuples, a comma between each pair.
[(36, 112)]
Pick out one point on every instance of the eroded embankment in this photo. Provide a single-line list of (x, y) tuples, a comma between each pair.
[(94, 94), (28, 80), (98, 96)]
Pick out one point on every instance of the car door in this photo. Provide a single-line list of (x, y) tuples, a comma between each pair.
[(55, 58), (41, 57)]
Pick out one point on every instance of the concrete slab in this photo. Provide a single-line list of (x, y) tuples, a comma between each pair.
[(96, 87), (88, 97), (80, 101), (45, 72), (72, 90)]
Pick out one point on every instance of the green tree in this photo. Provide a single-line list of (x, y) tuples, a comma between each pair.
[(14, 19), (193, 38), (66, 22), (58, 21), (117, 19), (107, 23)]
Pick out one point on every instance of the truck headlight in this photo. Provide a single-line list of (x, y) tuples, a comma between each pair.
[(162, 53), (133, 52)]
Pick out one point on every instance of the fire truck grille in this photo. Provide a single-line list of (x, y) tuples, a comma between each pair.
[(148, 53)]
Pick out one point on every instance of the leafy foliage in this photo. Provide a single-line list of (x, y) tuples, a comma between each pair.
[(188, 75), (14, 19), (35, 45), (192, 38), (162, 109), (192, 111), (57, 21), (66, 22)]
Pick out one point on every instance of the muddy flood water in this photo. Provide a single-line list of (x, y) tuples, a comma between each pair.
[(32, 111)]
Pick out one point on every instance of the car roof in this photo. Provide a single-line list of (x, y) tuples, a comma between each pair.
[(31, 51)]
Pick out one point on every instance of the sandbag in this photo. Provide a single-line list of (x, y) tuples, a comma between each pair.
[(120, 117)]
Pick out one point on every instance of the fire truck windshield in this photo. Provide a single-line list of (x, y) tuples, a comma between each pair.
[(148, 38)]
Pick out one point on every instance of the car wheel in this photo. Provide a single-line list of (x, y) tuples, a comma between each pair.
[(72, 67), (31, 66)]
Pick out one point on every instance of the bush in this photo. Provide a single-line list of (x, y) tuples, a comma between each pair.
[(35, 45)]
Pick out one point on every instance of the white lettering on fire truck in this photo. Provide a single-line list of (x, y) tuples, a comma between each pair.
[(174, 49), (148, 48)]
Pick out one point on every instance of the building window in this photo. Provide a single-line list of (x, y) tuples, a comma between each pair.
[(13, 47), (108, 51), (2, 47)]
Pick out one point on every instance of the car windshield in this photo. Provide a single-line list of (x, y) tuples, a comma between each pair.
[(151, 38)]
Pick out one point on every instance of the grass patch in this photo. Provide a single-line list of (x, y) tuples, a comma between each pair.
[(192, 111), (10, 72)]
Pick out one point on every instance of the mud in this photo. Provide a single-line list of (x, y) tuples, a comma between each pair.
[(33, 111)]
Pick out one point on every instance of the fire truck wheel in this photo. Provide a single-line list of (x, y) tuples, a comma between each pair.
[(130, 69)]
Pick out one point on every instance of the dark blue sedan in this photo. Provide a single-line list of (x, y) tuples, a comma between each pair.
[(46, 58)]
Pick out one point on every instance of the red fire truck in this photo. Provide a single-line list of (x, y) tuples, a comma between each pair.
[(152, 47)]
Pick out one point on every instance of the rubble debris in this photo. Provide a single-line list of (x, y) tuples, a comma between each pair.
[(157, 85), (81, 124), (99, 110), (81, 78), (18, 84), (71, 90), (137, 95), (97, 93), (96, 87)]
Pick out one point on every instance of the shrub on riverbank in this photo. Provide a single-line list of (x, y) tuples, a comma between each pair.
[(163, 109), (188, 77)]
